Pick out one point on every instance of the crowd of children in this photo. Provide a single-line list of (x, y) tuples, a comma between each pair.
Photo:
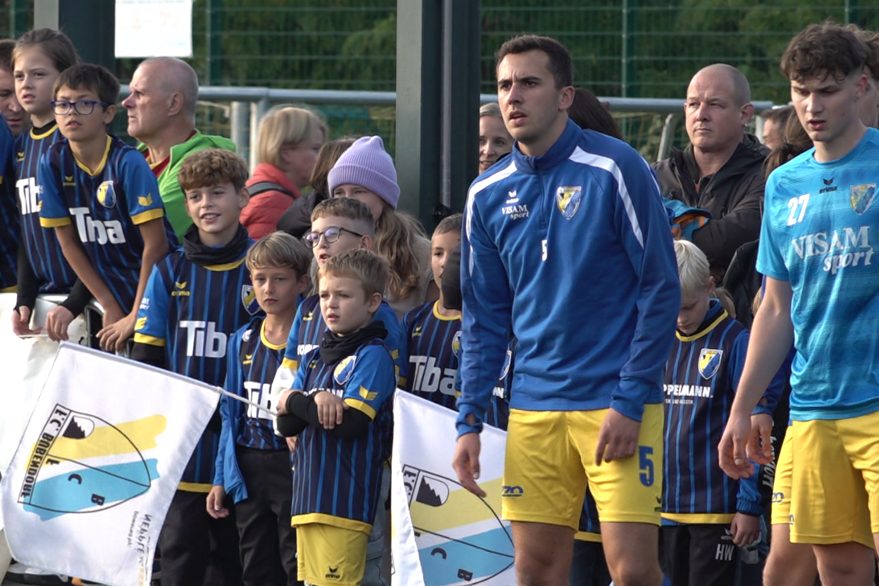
[(291, 485)]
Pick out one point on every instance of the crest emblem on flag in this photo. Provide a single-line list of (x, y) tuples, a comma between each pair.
[(568, 200), (248, 298), (107, 194), (83, 464), (342, 373), (861, 196), (709, 362)]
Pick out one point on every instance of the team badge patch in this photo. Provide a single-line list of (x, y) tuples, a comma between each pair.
[(862, 196), (107, 194), (248, 298), (568, 200), (456, 344), (342, 373), (709, 362)]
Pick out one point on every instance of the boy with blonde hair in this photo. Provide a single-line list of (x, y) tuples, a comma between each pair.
[(339, 408)]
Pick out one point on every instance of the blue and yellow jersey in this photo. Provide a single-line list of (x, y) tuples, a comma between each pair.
[(433, 345), (252, 363), (700, 380), (309, 327), (819, 224), (191, 310), (337, 481), (105, 206), (9, 216), (44, 254)]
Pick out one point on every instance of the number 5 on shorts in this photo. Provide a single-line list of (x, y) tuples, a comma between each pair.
[(645, 463)]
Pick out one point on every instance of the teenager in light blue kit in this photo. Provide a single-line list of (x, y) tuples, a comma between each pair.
[(817, 252), (567, 248)]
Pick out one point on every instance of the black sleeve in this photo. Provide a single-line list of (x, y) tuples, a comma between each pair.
[(354, 423), (451, 281), (290, 425), (148, 354), (78, 298), (27, 281)]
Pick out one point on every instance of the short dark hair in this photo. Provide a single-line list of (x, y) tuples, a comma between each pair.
[(6, 48), (449, 224), (92, 77), (56, 45), (822, 50), (212, 167), (559, 57), (871, 40)]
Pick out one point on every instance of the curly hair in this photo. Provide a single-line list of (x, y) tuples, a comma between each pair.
[(213, 167)]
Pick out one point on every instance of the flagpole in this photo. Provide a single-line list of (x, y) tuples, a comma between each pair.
[(226, 393)]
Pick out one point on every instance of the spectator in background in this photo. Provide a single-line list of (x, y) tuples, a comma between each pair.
[(721, 170), (297, 219), (161, 115), (589, 113), (9, 106), (286, 152), (494, 140), (869, 103), (774, 122)]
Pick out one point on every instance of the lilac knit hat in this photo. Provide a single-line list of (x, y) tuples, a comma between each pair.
[(367, 164)]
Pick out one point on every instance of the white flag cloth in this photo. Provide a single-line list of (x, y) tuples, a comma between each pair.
[(98, 464), (442, 533)]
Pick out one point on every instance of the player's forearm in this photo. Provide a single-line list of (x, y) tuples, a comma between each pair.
[(82, 266), (155, 246), (769, 344)]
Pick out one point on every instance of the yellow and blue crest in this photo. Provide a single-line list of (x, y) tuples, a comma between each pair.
[(709, 362), (107, 194), (248, 298), (343, 371), (861, 196), (568, 199), (456, 344)]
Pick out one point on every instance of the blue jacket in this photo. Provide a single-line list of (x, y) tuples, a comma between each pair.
[(571, 254)]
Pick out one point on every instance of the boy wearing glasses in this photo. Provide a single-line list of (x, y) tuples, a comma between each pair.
[(102, 200)]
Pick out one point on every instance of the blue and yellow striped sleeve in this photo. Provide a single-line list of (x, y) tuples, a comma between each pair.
[(372, 380)]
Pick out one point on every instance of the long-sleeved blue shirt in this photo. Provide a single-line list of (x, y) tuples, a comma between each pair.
[(571, 253)]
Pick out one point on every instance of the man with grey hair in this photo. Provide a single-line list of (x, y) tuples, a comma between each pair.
[(721, 170), (161, 115)]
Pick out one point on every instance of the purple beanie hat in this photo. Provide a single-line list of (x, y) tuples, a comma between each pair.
[(367, 164)]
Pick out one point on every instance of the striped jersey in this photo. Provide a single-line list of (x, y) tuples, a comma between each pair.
[(44, 254), (191, 310), (337, 481), (702, 373), (9, 216), (819, 226), (106, 207), (308, 329), (251, 364), (433, 345)]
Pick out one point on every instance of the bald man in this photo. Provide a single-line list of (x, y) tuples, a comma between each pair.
[(721, 170), (161, 115)]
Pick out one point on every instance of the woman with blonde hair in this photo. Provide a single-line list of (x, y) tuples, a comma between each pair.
[(286, 150)]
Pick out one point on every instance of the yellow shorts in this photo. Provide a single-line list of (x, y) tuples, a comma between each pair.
[(326, 554), (551, 456), (783, 479), (835, 487)]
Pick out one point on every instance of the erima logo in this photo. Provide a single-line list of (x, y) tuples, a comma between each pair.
[(333, 573), (416, 331), (100, 231), (828, 186), (68, 181), (512, 491), (308, 316), (180, 289), (19, 155), (512, 196)]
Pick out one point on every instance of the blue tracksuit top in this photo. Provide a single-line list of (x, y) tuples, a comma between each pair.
[(570, 253)]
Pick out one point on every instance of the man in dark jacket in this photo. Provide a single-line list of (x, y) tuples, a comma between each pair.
[(721, 170)]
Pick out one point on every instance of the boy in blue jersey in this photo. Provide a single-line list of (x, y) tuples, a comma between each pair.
[(704, 515), (338, 407), (566, 248), (253, 464), (816, 251), (102, 200), (197, 297)]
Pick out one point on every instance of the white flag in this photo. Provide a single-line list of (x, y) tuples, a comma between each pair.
[(98, 464), (442, 533)]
